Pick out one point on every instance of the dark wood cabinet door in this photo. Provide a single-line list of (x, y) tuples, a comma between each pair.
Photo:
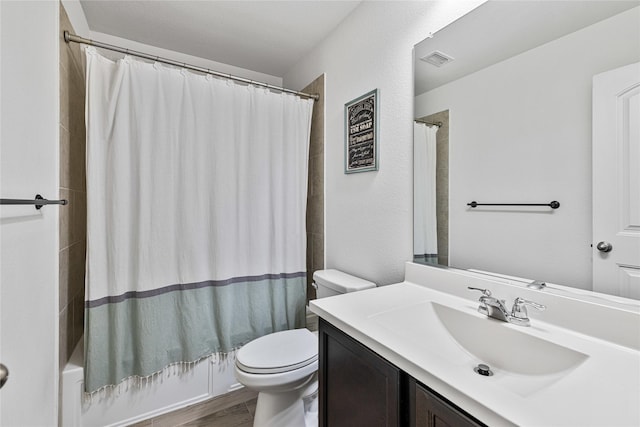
[(357, 386), (431, 410)]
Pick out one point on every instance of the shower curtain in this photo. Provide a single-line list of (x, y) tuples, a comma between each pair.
[(425, 234), (196, 192)]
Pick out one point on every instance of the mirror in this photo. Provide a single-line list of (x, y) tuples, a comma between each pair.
[(510, 84)]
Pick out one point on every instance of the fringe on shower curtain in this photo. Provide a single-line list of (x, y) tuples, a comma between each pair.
[(425, 223), (196, 193)]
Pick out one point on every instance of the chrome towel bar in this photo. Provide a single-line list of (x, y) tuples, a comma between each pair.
[(39, 201)]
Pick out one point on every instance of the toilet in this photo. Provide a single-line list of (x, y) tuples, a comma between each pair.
[(282, 366)]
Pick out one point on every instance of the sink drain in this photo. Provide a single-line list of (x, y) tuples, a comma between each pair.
[(483, 370)]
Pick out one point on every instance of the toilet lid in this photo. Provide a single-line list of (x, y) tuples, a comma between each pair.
[(278, 352)]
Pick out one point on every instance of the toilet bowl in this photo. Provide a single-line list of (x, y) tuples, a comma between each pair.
[(283, 366)]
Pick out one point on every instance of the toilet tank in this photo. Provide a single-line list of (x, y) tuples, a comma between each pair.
[(333, 282)]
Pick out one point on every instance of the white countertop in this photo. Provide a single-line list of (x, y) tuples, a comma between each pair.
[(602, 390)]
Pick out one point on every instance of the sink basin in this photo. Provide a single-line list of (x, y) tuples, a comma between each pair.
[(505, 347), (464, 338)]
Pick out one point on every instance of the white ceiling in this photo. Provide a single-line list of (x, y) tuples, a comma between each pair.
[(498, 30), (265, 36)]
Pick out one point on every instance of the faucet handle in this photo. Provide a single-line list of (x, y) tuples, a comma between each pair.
[(520, 311), (485, 292)]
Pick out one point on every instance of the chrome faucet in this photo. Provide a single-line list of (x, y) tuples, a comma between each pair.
[(493, 307)]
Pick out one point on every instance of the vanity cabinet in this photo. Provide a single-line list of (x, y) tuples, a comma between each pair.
[(357, 387)]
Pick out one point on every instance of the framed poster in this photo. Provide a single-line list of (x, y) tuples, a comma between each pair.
[(361, 133)]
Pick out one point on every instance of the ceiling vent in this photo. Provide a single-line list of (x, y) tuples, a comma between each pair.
[(437, 58)]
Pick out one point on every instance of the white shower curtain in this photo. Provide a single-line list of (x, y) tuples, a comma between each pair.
[(196, 192), (425, 233)]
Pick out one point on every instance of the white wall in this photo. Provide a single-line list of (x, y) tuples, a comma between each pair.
[(368, 217), (79, 22), (29, 164), (520, 131), (183, 57)]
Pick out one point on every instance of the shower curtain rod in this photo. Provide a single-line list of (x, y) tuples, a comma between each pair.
[(68, 37), (438, 124)]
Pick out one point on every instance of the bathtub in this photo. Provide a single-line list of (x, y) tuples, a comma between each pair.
[(174, 390)]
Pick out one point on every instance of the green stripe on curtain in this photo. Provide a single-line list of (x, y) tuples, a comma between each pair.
[(145, 335)]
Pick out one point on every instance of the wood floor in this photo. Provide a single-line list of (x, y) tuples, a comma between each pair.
[(237, 416), (231, 409)]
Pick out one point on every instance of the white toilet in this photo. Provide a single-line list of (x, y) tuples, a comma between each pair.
[(283, 366)]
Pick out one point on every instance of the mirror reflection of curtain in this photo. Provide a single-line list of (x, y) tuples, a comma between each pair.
[(425, 241)]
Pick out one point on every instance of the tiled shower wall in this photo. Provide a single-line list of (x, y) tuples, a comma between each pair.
[(315, 194), (73, 217)]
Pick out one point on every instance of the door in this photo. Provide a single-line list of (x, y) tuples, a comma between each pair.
[(616, 182), (29, 237)]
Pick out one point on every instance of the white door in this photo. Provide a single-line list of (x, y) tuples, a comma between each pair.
[(616, 182), (28, 237)]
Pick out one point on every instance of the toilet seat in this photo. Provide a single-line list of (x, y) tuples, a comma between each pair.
[(278, 352)]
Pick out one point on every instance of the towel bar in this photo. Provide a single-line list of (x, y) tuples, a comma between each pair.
[(553, 205), (39, 201)]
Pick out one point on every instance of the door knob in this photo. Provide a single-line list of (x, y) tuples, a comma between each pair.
[(604, 246), (4, 374)]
